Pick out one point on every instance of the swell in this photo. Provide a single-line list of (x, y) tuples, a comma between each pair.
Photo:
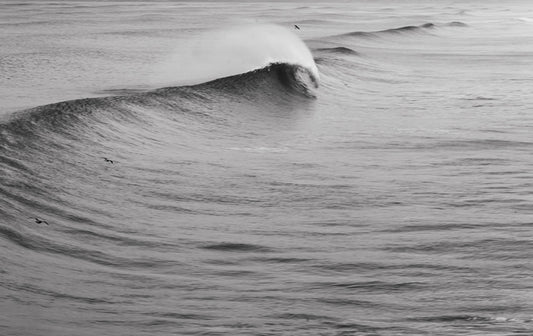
[(34, 141), (51, 157), (281, 81), (282, 77), (338, 50), (36, 242), (411, 29)]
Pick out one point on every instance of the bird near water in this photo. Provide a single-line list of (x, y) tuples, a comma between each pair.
[(108, 160), (40, 221), (296, 26)]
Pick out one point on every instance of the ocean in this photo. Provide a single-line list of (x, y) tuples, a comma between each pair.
[(266, 168)]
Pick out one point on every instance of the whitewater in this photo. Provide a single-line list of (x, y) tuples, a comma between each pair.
[(206, 168)]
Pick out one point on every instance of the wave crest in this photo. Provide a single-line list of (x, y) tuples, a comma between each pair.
[(277, 83), (233, 51), (281, 78)]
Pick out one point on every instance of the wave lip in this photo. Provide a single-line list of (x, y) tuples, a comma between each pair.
[(284, 78)]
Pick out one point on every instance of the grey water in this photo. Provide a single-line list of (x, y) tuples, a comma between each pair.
[(393, 199)]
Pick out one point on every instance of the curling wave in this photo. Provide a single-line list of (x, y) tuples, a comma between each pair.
[(59, 134), (44, 149), (283, 77), (279, 80)]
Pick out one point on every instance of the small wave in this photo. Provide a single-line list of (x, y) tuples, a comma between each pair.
[(480, 98), (15, 237), (349, 267), (339, 50), (304, 316), (348, 302), (181, 316), (404, 29), (281, 260), (350, 328), (40, 244), (525, 19), (378, 286), (457, 24), (450, 318), (485, 144), (429, 227), (409, 28), (401, 30), (56, 295), (469, 318), (237, 247)]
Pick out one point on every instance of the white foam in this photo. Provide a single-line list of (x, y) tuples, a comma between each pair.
[(526, 19), (232, 51)]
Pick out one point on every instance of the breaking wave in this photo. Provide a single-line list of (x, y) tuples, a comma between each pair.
[(231, 51)]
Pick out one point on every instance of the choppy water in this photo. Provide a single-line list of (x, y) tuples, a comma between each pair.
[(394, 199)]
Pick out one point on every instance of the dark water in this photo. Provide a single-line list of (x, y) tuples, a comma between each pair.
[(393, 199)]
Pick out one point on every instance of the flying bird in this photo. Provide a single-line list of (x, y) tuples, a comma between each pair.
[(107, 160), (296, 26), (40, 221)]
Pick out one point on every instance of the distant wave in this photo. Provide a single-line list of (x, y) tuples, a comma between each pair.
[(469, 318), (339, 50), (237, 247), (457, 24), (402, 30)]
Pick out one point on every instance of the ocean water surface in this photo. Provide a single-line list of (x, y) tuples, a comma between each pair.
[(369, 173)]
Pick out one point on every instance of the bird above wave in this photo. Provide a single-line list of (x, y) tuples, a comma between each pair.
[(40, 221)]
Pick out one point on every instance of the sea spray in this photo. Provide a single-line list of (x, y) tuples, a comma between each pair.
[(232, 51)]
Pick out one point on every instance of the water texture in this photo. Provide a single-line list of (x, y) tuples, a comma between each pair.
[(367, 174)]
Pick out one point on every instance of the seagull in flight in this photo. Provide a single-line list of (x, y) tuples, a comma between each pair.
[(296, 26), (40, 221), (108, 160)]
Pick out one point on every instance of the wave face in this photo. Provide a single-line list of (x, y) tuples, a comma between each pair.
[(68, 133), (281, 77), (279, 80), (206, 184)]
